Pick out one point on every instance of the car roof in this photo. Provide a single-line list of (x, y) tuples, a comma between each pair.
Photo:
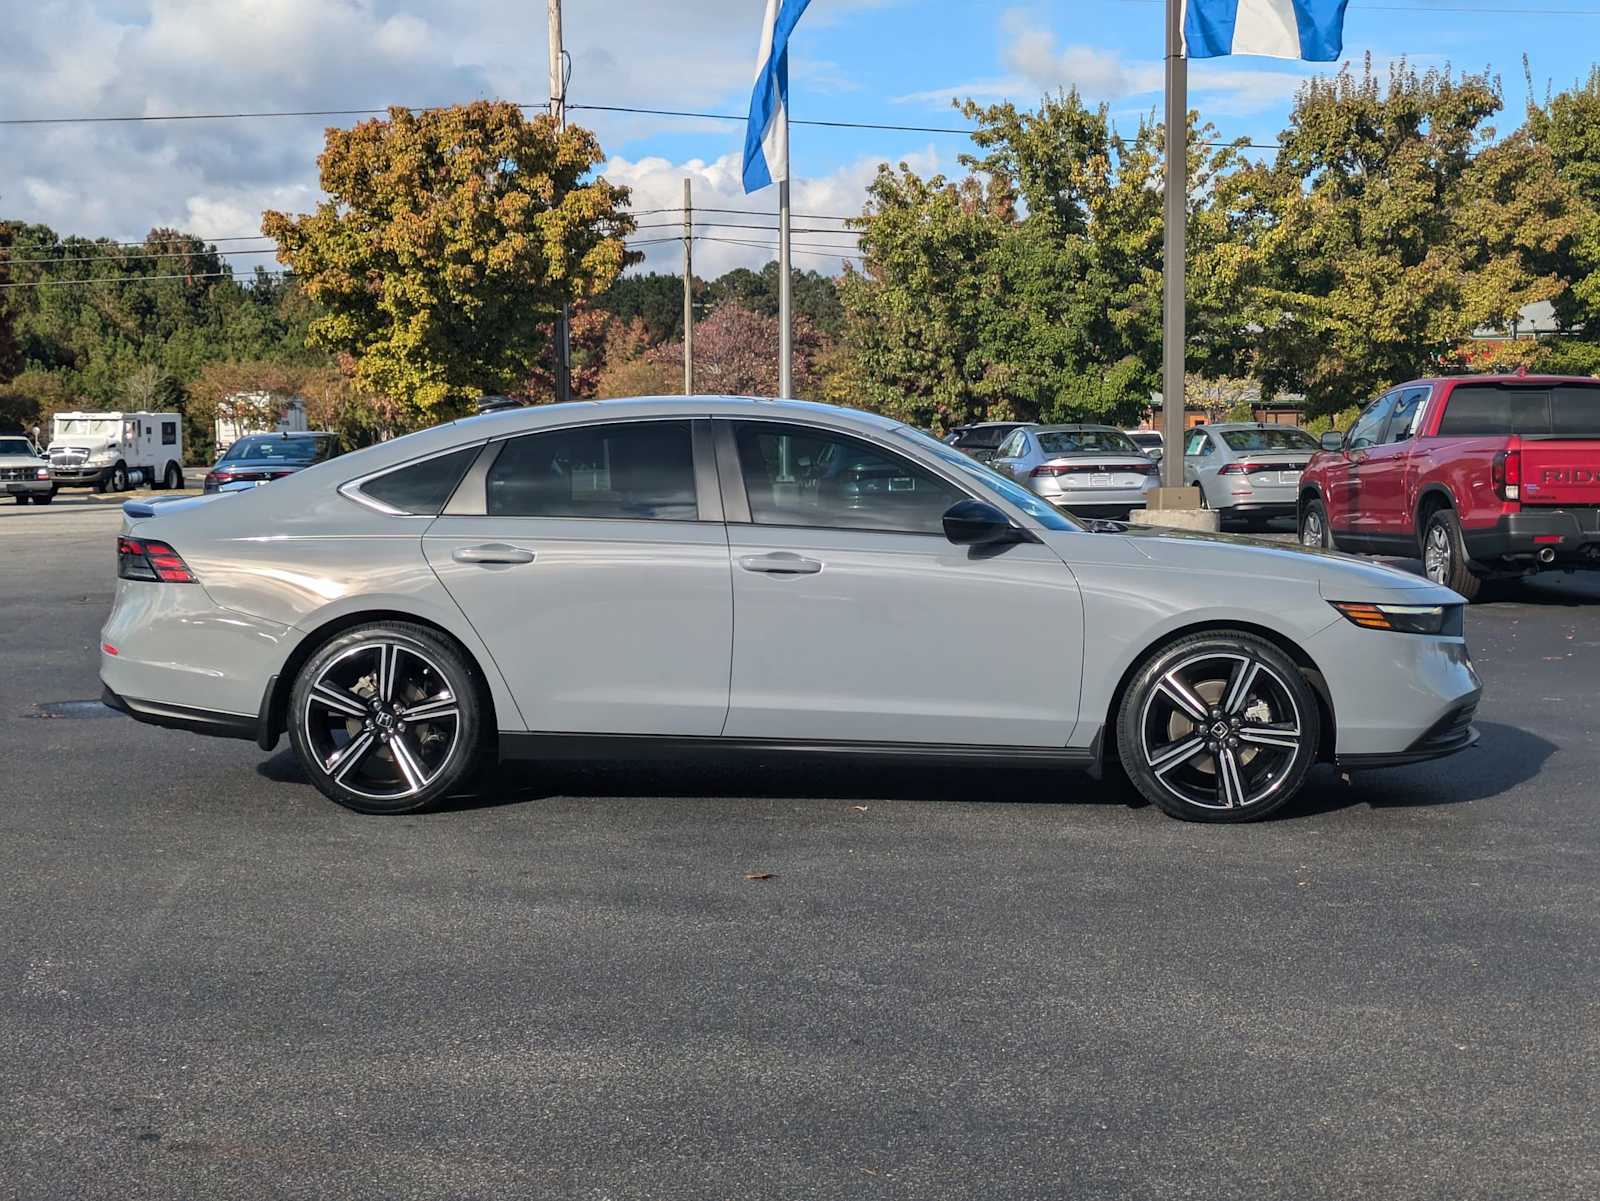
[(290, 434), (1250, 425), (980, 425), (1073, 428), (1497, 379)]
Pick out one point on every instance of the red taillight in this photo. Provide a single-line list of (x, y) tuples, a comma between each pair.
[(1506, 472), (143, 559), (1231, 469)]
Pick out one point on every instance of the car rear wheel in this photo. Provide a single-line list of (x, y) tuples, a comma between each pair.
[(1218, 727), (1444, 555), (1314, 526), (386, 718)]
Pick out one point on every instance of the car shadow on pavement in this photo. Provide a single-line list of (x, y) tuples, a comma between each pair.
[(1505, 758)]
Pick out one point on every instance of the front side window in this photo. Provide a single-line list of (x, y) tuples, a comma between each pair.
[(1406, 411), (169, 433), (1012, 447), (990, 480), (639, 470), (1364, 434), (803, 477)]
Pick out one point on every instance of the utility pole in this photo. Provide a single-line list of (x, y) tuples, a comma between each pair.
[(558, 110), (688, 288), (785, 299), (1174, 317)]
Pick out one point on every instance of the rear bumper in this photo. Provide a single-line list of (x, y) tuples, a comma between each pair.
[(181, 717), (1573, 535), (1264, 508)]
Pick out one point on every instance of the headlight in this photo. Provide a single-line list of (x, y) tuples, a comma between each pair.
[(1404, 619)]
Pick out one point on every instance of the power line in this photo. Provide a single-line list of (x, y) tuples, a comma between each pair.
[(140, 279), (670, 112), (128, 258)]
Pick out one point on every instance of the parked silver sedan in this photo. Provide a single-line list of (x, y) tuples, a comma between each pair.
[(1091, 469), (716, 576), (1248, 471)]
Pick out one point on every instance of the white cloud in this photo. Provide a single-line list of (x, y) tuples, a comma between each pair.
[(657, 183)]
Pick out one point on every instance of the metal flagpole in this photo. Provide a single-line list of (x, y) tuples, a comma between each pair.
[(558, 110), (1174, 317), (785, 299)]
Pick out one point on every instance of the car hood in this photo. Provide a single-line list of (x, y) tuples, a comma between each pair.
[(1339, 576), (22, 461)]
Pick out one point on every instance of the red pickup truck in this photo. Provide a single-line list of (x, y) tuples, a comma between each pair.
[(1482, 476)]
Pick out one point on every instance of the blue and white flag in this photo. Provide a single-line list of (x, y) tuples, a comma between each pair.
[(1308, 29), (766, 136)]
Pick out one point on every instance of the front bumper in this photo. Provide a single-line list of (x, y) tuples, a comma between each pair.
[(27, 487), (1572, 535), (78, 476)]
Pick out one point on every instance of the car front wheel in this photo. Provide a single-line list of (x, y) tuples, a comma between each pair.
[(386, 718), (1218, 727)]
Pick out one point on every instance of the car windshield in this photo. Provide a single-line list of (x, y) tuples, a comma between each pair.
[(1286, 438), (1074, 442), (1046, 515), (16, 446), (300, 452), (86, 425)]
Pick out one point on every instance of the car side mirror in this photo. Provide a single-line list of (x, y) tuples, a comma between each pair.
[(1332, 440), (973, 523)]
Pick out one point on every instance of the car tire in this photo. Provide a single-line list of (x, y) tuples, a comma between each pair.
[(45, 498), (119, 478), (1314, 529), (1218, 727), (387, 718), (23, 498), (1444, 554), (173, 480)]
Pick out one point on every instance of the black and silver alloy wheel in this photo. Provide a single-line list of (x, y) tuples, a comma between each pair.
[(1219, 727), (1437, 554), (1313, 530), (385, 719)]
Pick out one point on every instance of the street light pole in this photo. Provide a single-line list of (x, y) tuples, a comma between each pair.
[(688, 288)]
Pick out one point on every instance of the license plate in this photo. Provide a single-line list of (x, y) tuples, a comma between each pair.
[(1288, 477), (1100, 480), (15, 488)]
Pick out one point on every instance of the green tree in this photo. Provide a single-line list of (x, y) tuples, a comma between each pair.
[(1389, 227), (450, 239)]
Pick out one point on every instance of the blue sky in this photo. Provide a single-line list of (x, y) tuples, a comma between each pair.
[(895, 61)]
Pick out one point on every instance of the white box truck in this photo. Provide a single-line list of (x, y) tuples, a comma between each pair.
[(110, 452)]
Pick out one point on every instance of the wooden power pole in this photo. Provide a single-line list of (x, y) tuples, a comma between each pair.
[(558, 110), (688, 288)]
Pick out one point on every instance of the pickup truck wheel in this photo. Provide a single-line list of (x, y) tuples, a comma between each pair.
[(1314, 527), (1444, 555), (23, 498), (44, 498)]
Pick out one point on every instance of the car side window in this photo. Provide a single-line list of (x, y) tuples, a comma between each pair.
[(421, 489), (1011, 447), (806, 477), (169, 433), (1364, 434), (641, 470), (1406, 411), (1199, 443)]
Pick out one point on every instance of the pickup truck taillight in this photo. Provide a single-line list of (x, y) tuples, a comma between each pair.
[(156, 562), (1506, 473)]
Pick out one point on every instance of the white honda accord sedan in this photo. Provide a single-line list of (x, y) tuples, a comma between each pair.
[(723, 575)]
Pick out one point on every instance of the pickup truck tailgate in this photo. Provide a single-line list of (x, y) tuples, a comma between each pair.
[(1560, 471)]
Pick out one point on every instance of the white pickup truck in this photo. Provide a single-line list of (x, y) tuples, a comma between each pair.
[(108, 451), (24, 473)]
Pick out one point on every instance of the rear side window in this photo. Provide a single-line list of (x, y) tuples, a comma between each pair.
[(422, 488), (1575, 411), (1495, 410), (639, 470), (169, 433)]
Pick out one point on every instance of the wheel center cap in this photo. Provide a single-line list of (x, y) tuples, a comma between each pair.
[(385, 720), (1220, 730)]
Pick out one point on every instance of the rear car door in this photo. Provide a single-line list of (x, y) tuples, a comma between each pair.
[(854, 615), (1386, 473), (593, 562), (1011, 453)]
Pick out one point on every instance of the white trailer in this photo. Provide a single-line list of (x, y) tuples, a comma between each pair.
[(112, 451)]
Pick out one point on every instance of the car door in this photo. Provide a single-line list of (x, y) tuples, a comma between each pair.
[(853, 614), (1200, 462), (1011, 453), (593, 562), (1385, 474), (1346, 514)]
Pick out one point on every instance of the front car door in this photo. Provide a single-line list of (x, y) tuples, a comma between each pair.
[(854, 615), (593, 562), (1386, 474), (1346, 514)]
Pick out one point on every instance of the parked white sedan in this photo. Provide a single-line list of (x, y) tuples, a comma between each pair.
[(716, 575)]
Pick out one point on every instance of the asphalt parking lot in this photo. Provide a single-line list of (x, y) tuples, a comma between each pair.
[(214, 983)]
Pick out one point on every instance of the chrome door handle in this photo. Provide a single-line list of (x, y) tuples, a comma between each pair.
[(780, 563), (493, 552)]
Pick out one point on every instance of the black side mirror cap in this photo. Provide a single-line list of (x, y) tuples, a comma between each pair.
[(1332, 440), (973, 523)]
